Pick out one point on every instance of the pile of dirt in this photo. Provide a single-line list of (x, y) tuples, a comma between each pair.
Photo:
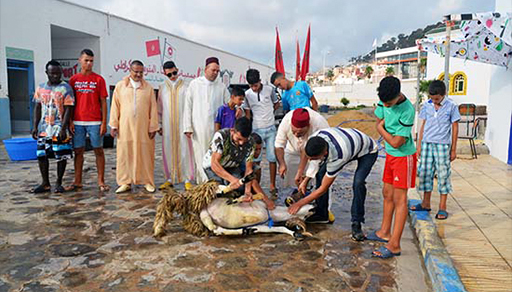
[(355, 119)]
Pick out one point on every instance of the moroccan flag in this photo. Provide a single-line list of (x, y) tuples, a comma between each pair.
[(305, 59), (297, 63), (153, 48), (279, 55)]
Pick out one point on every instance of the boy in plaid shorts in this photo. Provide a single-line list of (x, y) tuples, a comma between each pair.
[(395, 118), (437, 143)]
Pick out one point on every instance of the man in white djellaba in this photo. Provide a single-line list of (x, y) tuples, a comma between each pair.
[(204, 96), (175, 145)]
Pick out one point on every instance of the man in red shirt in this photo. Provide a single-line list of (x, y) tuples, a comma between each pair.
[(90, 117)]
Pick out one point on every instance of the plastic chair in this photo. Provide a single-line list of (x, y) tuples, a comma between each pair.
[(469, 119)]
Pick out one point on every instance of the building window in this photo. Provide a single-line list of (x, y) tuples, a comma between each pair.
[(458, 84)]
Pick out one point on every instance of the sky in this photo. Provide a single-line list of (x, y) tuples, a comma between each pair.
[(340, 29)]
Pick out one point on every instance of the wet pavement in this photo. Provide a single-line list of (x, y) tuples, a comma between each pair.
[(93, 241)]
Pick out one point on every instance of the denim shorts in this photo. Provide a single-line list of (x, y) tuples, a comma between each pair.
[(92, 131), (268, 135)]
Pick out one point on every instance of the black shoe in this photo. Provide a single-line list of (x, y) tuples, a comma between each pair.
[(321, 219), (357, 232)]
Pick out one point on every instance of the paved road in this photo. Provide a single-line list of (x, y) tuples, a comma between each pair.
[(92, 241)]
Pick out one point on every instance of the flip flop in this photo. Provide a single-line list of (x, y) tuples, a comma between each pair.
[(442, 213), (385, 253), (373, 237), (104, 188), (41, 189), (419, 207), (73, 187), (59, 190)]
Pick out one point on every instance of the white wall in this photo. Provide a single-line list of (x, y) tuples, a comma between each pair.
[(365, 94), (120, 40), (66, 51), (499, 111), (478, 77), (499, 122)]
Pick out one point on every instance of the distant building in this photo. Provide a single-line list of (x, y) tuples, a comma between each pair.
[(403, 61)]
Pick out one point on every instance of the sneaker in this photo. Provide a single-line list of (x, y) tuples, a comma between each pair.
[(357, 232), (319, 219)]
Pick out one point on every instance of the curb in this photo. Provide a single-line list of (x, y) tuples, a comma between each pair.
[(442, 272)]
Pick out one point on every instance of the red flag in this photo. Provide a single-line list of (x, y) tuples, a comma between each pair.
[(279, 55), (305, 59), (153, 48), (297, 63)]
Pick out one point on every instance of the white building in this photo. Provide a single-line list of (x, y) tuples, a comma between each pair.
[(481, 84), (469, 81), (34, 31), (498, 135)]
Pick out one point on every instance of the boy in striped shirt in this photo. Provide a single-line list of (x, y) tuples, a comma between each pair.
[(437, 146), (395, 118), (328, 151)]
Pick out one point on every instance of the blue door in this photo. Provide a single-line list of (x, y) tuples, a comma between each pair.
[(20, 80)]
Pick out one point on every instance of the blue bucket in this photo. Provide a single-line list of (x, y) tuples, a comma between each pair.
[(21, 148)]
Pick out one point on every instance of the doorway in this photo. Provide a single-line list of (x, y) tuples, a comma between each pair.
[(20, 81)]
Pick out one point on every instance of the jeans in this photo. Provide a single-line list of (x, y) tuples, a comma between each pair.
[(364, 166), (268, 135), (94, 134)]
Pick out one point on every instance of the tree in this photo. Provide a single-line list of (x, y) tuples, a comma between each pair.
[(424, 84), (368, 71), (345, 101), (390, 71), (423, 65), (330, 74)]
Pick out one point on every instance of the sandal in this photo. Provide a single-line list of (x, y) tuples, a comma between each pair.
[(59, 190), (41, 189), (274, 194), (73, 188), (384, 253), (374, 237), (419, 207), (104, 188), (442, 213)]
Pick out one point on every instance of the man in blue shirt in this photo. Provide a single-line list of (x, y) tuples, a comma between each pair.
[(297, 94)]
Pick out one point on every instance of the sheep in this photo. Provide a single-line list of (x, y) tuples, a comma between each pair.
[(205, 213)]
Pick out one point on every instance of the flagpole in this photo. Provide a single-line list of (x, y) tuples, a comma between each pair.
[(448, 24)]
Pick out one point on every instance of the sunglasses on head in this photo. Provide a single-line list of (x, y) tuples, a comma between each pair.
[(170, 74)]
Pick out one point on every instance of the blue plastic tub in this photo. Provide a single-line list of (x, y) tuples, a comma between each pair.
[(324, 108), (21, 148)]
